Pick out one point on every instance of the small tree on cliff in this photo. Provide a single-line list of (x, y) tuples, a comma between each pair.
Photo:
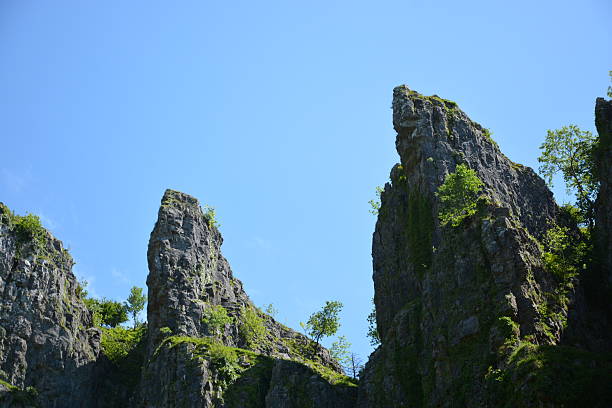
[(325, 322)]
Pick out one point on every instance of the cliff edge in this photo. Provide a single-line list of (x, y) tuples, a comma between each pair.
[(471, 314)]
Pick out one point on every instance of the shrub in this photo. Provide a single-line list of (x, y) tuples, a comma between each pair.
[(373, 327), (29, 227), (458, 195), (252, 326), (216, 318), (565, 255), (165, 331), (117, 342), (209, 215), (125, 348), (271, 310), (225, 360), (375, 204)]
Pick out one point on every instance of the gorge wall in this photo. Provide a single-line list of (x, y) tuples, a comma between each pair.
[(48, 345), (460, 309), (468, 315)]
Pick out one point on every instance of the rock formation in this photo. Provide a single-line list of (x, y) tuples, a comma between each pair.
[(603, 205), (484, 311), (47, 340), (459, 309), (189, 364)]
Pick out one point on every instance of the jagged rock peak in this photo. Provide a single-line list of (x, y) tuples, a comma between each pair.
[(186, 269), (434, 135), (189, 278), (450, 299), (173, 197)]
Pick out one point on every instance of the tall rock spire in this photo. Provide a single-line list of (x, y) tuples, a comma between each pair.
[(458, 307), (251, 360), (187, 272)]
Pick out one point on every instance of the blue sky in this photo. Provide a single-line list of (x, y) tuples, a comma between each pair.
[(275, 113)]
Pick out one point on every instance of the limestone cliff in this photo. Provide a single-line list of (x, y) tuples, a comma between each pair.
[(251, 360), (487, 311), (460, 308), (47, 342), (603, 204), (50, 352)]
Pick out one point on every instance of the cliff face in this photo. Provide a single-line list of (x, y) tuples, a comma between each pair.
[(456, 306), (244, 361), (603, 205), (486, 312), (46, 336)]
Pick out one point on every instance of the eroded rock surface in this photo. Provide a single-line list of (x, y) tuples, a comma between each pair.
[(458, 307), (191, 365), (603, 205), (46, 336)]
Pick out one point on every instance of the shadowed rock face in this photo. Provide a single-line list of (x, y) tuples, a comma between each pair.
[(46, 336), (603, 205), (188, 276), (449, 300)]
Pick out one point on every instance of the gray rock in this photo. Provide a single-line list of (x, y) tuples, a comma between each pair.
[(442, 293), (187, 276), (47, 340), (603, 204)]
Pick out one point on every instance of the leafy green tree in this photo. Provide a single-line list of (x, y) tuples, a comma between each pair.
[(610, 87), (111, 313), (325, 322), (216, 318), (569, 151), (135, 303), (372, 327), (458, 195), (340, 351)]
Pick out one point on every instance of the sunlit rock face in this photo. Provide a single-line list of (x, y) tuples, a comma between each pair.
[(453, 302), (46, 336), (190, 365)]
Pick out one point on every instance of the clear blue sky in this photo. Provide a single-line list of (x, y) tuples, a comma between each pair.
[(276, 113)]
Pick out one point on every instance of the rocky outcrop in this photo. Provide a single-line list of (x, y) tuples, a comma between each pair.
[(191, 363), (459, 308), (487, 311), (603, 204), (47, 342)]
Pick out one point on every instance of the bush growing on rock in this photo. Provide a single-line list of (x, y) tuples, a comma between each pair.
[(216, 318), (252, 326), (458, 195)]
